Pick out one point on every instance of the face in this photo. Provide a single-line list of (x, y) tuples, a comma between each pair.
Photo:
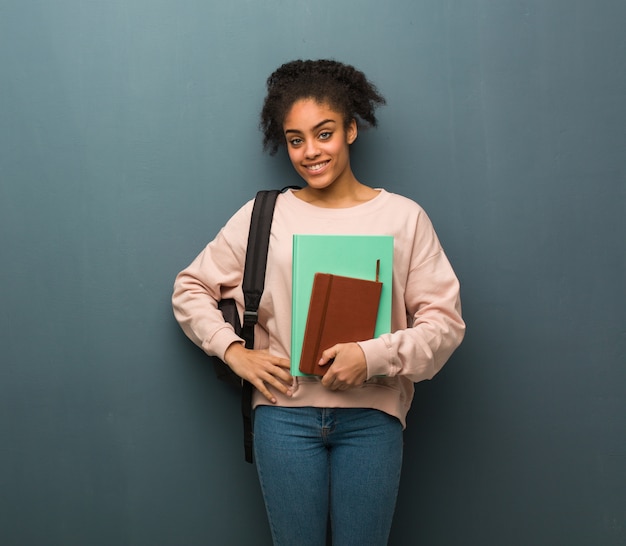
[(318, 144)]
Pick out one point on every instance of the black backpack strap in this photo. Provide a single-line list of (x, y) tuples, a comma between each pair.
[(253, 282)]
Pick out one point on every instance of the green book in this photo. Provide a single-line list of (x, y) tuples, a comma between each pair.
[(346, 255)]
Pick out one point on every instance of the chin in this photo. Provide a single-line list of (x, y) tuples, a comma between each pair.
[(314, 185), (317, 183)]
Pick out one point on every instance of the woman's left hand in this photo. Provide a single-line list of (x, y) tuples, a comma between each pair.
[(349, 368)]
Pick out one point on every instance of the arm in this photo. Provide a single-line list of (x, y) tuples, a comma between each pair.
[(437, 329), (427, 293), (431, 301), (215, 273)]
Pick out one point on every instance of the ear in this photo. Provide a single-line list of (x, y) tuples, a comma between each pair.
[(352, 131)]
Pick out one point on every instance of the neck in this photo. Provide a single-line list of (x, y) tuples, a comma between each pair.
[(338, 196)]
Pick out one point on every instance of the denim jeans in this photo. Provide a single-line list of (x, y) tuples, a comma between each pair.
[(313, 462)]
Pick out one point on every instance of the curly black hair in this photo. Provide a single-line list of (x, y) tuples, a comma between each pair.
[(342, 86)]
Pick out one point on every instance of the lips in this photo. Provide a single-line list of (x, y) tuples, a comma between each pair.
[(316, 167)]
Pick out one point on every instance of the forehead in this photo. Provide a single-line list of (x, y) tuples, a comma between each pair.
[(308, 113)]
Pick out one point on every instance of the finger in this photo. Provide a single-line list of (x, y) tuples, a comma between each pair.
[(277, 378), (329, 380), (275, 360), (280, 385), (260, 386), (284, 363), (282, 370), (329, 355), (337, 386)]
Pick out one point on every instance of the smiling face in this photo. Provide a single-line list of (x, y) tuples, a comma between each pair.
[(318, 143)]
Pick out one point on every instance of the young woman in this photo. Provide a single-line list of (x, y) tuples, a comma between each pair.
[(331, 445)]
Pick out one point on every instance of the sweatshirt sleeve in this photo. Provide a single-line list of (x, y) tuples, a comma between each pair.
[(434, 327), (214, 274)]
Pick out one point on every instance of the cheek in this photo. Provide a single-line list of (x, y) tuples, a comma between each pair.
[(340, 148), (293, 156)]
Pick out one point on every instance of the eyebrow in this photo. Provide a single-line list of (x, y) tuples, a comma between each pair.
[(320, 124)]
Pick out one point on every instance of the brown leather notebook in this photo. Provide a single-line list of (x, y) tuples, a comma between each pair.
[(342, 310)]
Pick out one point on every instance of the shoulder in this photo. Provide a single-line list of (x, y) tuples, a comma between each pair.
[(235, 231), (241, 216), (397, 204), (401, 200), (413, 227)]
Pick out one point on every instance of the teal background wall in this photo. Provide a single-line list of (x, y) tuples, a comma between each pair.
[(128, 135)]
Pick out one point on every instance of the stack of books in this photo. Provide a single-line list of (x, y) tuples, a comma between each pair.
[(341, 293)]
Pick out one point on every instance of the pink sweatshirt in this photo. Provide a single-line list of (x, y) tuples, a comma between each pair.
[(426, 310)]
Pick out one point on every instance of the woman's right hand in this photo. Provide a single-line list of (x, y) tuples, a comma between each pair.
[(261, 369)]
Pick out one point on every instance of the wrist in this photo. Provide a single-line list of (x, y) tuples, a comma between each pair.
[(231, 352)]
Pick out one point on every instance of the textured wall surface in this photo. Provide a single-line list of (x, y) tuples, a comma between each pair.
[(128, 135)]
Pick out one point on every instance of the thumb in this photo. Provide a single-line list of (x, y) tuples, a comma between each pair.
[(329, 355)]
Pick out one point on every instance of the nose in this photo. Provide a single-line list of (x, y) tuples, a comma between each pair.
[(311, 150)]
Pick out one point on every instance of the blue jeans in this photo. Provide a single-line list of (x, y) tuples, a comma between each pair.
[(313, 462)]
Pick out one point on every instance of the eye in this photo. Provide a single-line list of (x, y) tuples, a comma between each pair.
[(325, 135), (295, 141)]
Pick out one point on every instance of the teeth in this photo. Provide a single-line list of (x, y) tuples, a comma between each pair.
[(316, 167)]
